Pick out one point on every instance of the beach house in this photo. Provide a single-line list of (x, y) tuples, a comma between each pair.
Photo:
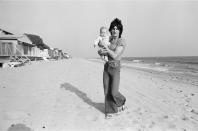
[(17, 47)]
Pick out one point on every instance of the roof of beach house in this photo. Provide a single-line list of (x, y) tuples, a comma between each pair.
[(29, 39), (7, 35), (25, 39), (3, 31), (20, 38)]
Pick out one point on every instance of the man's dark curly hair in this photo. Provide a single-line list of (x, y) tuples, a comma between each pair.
[(116, 22)]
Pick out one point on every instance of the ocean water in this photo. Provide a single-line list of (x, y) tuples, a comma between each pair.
[(181, 69), (182, 64)]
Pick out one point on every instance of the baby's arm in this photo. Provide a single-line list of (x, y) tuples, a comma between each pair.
[(96, 42), (102, 44)]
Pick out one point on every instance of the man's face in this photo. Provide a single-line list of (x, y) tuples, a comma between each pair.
[(115, 31)]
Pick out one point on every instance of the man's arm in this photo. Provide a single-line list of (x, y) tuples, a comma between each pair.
[(115, 54), (118, 51)]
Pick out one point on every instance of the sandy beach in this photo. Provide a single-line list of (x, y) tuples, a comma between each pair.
[(67, 95)]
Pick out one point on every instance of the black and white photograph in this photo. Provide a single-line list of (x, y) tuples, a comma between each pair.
[(98, 65)]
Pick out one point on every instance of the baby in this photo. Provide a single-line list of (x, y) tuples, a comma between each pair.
[(104, 36)]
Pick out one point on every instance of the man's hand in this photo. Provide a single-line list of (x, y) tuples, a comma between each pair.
[(102, 52)]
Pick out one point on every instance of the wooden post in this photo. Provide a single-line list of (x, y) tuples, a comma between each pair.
[(0, 48), (14, 44)]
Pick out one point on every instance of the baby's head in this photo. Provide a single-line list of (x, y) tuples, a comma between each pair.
[(104, 31)]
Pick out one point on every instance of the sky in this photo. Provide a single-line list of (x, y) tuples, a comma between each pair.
[(151, 27)]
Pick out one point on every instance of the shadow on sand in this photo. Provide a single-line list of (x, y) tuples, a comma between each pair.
[(83, 96), (19, 127)]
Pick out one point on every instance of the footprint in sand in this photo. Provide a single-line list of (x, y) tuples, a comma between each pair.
[(2, 87), (165, 117), (152, 124), (184, 118), (179, 91), (188, 99), (194, 111), (192, 94)]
